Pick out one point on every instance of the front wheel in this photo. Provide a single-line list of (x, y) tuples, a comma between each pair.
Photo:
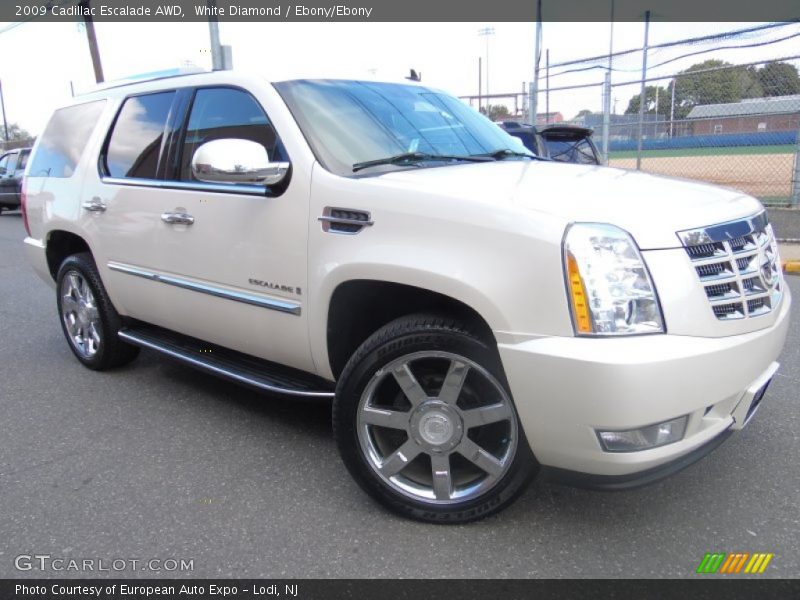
[(425, 423)]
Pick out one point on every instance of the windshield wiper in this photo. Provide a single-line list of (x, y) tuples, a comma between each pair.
[(412, 157), (504, 153)]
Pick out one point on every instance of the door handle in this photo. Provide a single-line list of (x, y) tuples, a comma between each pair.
[(177, 218), (94, 205)]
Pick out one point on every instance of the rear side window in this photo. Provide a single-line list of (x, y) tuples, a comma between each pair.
[(23, 159), (135, 143), (64, 140), (7, 163), (219, 113)]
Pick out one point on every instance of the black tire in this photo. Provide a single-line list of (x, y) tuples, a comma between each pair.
[(110, 350), (407, 337)]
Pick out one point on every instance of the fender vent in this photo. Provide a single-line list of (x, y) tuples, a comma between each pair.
[(344, 220)]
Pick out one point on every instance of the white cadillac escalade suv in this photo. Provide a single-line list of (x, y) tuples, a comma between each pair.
[(476, 314)]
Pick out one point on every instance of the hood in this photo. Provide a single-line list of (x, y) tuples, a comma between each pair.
[(651, 208)]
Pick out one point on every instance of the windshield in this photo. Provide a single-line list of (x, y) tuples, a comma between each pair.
[(348, 123)]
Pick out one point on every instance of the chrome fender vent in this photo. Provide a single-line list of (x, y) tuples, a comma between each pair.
[(344, 220)]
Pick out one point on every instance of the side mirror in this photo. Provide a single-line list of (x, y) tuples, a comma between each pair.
[(234, 160)]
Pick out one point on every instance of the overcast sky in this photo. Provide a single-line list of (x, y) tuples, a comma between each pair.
[(39, 60)]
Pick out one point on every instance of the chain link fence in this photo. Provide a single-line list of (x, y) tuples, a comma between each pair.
[(707, 114)]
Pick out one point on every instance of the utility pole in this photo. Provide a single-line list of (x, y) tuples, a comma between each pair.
[(3, 102), (607, 90), (213, 32), (485, 32), (480, 83), (547, 94), (537, 55), (92, 39), (643, 92)]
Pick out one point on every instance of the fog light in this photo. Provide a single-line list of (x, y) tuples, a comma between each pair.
[(652, 436)]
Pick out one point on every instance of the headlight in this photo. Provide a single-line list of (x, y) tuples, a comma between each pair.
[(608, 284)]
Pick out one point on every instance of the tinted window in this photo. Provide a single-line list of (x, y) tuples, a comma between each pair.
[(219, 113), (23, 159), (5, 162), (64, 140), (135, 143), (571, 151)]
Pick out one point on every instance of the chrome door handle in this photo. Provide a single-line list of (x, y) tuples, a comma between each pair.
[(177, 218), (94, 205)]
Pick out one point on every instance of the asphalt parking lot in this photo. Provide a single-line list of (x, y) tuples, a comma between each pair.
[(156, 460)]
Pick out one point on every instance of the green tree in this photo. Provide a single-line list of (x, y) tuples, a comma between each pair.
[(583, 113), (713, 82), (496, 111), (779, 79), (650, 101), (15, 133)]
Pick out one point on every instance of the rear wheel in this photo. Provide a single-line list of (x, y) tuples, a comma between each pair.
[(425, 422), (89, 320)]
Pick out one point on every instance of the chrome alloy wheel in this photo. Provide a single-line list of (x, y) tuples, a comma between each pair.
[(437, 427), (80, 314)]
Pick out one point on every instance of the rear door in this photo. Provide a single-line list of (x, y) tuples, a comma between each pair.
[(122, 207)]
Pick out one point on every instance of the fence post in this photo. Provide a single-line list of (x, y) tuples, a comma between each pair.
[(795, 200), (606, 115), (643, 93)]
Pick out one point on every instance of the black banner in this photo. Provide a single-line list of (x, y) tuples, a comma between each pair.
[(733, 588), (397, 10)]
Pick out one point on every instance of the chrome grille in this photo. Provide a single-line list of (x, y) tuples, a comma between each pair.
[(737, 264)]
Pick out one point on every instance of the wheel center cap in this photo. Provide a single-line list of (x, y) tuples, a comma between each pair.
[(436, 426)]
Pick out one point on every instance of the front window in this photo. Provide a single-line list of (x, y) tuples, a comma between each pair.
[(352, 122)]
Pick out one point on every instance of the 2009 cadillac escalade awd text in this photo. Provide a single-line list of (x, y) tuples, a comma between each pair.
[(475, 313)]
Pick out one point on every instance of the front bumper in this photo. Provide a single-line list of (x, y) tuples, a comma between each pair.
[(567, 388)]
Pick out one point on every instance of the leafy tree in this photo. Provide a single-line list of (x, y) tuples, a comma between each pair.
[(779, 79), (15, 132), (583, 113), (496, 111), (650, 101), (723, 84)]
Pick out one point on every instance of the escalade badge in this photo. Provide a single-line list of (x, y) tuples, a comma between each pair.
[(276, 286)]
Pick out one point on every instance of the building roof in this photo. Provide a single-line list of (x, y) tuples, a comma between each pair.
[(753, 106)]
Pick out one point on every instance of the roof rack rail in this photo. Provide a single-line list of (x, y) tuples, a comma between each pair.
[(144, 77)]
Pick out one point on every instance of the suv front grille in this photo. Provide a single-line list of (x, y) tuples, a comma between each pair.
[(737, 264)]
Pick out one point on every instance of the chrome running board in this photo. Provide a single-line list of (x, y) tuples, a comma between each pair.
[(229, 364)]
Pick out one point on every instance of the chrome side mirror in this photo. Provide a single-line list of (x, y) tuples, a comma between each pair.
[(233, 160)]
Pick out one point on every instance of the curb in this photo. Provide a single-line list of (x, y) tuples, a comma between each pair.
[(791, 267)]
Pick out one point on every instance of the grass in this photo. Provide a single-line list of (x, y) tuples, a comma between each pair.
[(708, 151)]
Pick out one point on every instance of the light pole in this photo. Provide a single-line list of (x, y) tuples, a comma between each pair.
[(485, 32)]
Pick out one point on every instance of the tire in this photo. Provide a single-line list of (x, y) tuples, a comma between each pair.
[(424, 422), (88, 319)]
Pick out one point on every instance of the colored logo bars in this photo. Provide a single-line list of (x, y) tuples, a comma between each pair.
[(737, 562)]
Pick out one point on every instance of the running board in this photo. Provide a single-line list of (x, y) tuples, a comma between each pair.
[(228, 364)]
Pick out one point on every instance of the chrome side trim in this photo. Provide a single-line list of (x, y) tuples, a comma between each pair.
[(249, 190), (131, 337), (287, 306)]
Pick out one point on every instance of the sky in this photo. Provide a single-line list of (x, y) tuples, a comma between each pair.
[(42, 60)]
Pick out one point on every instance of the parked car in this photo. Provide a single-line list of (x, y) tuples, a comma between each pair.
[(564, 143), (476, 315), (12, 166)]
